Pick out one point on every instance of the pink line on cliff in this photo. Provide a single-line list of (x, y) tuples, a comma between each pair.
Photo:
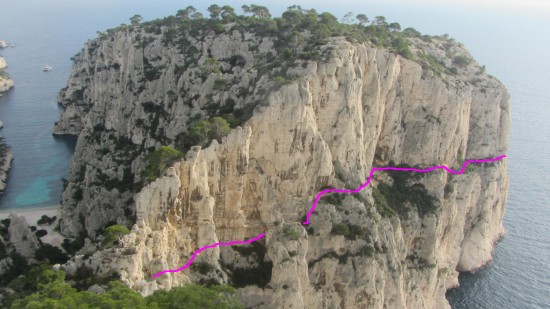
[(389, 168), (229, 243), (320, 194)]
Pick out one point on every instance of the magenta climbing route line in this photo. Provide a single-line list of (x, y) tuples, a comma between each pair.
[(218, 244), (390, 168), (320, 194)]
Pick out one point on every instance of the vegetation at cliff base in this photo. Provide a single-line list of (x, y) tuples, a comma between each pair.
[(42, 287)]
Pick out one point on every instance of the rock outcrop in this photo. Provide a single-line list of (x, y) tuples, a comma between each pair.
[(327, 122), (21, 236), (5, 82)]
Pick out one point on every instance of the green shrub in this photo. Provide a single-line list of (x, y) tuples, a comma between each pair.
[(72, 246), (210, 66), (51, 253), (203, 132), (333, 198), (401, 47), (55, 292), (232, 120), (41, 233), (158, 161), (259, 275), (195, 296), (402, 194), (281, 81), (201, 267), (341, 229), (381, 203), (291, 233), (461, 60), (429, 62), (151, 72), (366, 250), (4, 225), (113, 233), (46, 220), (3, 251), (442, 271), (449, 188), (357, 232), (220, 84), (19, 265)]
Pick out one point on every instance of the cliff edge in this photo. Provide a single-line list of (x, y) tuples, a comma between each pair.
[(307, 109)]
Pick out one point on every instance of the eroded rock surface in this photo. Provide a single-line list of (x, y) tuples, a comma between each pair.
[(357, 107)]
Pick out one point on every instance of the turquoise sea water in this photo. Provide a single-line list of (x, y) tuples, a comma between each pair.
[(513, 46)]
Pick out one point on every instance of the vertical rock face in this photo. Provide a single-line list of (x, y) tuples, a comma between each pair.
[(358, 107), (131, 93)]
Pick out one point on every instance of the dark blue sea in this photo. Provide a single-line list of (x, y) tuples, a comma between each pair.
[(513, 44)]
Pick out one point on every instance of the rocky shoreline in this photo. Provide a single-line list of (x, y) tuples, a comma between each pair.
[(4, 168), (5, 82)]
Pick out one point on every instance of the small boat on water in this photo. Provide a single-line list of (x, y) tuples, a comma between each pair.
[(47, 67)]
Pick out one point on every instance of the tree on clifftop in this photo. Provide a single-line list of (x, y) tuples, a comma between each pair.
[(215, 11), (256, 11), (204, 131), (394, 27), (136, 19), (363, 19), (186, 13), (228, 13), (158, 161)]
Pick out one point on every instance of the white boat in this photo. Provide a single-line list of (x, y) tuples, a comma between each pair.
[(47, 67)]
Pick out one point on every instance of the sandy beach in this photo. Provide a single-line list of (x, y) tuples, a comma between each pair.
[(33, 215)]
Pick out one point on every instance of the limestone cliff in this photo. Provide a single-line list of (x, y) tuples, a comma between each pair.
[(320, 121)]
